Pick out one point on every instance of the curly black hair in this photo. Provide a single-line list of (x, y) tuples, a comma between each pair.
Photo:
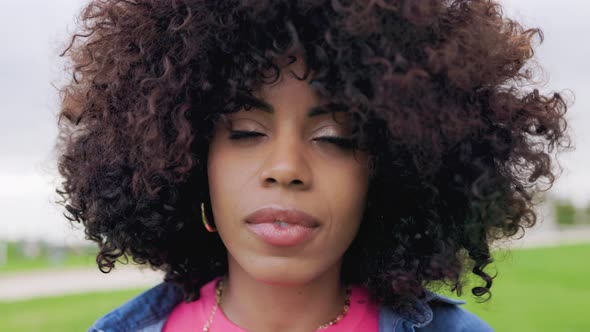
[(459, 147)]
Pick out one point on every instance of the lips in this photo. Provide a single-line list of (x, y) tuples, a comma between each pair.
[(275, 213), (282, 227)]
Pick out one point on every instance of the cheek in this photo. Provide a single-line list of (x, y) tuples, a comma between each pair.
[(222, 177), (346, 191), (225, 170), (230, 177), (216, 171), (348, 186), (229, 169)]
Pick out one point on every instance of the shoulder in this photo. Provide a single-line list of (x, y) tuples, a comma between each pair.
[(434, 313), (448, 315), (145, 312)]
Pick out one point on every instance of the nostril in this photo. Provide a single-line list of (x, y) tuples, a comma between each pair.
[(295, 182)]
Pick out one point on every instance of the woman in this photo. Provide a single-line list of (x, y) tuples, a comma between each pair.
[(303, 165)]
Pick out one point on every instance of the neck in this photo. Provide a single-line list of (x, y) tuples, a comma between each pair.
[(258, 306)]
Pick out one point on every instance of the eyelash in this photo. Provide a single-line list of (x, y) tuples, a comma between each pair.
[(344, 143)]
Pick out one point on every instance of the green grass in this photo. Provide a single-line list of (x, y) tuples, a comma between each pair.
[(60, 314), (536, 290), (71, 259), (543, 289), (27, 265)]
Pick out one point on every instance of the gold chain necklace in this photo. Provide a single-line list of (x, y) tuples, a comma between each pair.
[(219, 292)]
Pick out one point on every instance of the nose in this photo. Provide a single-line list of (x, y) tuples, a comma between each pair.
[(286, 165)]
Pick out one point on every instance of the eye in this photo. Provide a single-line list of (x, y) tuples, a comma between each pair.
[(244, 134), (341, 142)]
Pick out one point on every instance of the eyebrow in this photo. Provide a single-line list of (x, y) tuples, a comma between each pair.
[(313, 111)]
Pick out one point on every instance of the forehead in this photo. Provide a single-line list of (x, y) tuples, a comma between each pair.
[(289, 86), (292, 73), (251, 103), (290, 90)]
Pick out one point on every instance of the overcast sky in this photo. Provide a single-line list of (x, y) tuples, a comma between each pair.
[(32, 34)]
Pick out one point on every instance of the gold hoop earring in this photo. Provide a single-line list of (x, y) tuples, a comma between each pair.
[(208, 227)]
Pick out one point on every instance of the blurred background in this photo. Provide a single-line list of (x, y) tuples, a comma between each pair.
[(48, 280)]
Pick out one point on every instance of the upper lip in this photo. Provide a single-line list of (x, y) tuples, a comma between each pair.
[(273, 213)]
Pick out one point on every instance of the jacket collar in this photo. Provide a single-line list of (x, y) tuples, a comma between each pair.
[(418, 315), (144, 312), (149, 310)]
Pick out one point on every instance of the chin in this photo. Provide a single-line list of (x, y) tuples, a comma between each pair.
[(282, 271)]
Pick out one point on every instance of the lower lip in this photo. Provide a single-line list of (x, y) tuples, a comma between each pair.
[(286, 236)]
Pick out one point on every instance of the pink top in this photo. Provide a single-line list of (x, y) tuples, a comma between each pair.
[(362, 314)]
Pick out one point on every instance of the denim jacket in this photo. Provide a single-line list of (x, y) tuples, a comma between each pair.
[(149, 311)]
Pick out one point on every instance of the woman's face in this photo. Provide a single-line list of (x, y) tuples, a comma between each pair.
[(287, 164)]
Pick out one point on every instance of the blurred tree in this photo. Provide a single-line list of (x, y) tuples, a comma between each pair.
[(565, 212), (3, 253)]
